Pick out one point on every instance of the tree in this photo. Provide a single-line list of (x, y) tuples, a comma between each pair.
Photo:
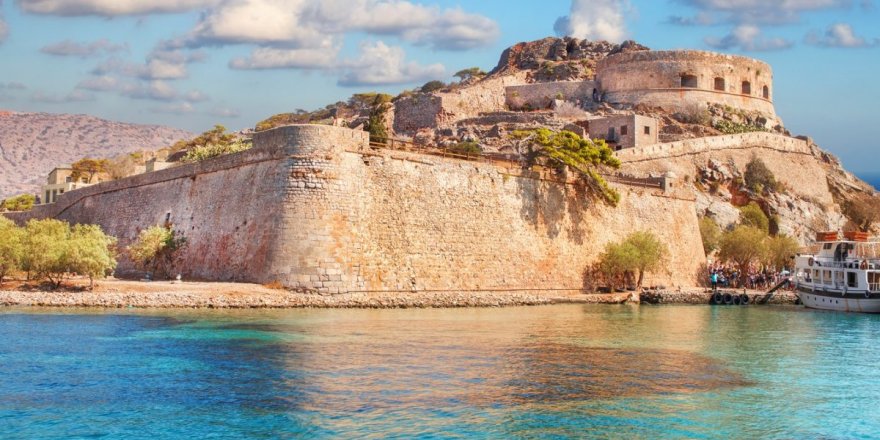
[(23, 202), (779, 250), (710, 233), (91, 252), (88, 168), (156, 249), (432, 86), (743, 245), (122, 166), (11, 247), (758, 177), (567, 149), (471, 72), (200, 153), (47, 247), (753, 215), (639, 252), (376, 123)]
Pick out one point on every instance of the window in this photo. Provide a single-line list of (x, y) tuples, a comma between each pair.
[(647, 130), (826, 276), (851, 279), (623, 130), (46, 200), (612, 135), (689, 81), (719, 84), (68, 179), (746, 88), (766, 92)]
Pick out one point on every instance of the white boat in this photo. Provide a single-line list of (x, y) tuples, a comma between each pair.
[(842, 275)]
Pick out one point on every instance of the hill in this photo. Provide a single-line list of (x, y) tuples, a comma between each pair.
[(32, 144)]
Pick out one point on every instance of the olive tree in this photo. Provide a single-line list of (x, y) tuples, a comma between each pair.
[(743, 245), (639, 253), (11, 247), (91, 252), (779, 250)]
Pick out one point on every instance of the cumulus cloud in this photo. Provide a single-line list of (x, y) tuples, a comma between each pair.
[(153, 90), (380, 64), (298, 24), (839, 35), (758, 11), (748, 38), (322, 57), (594, 20), (83, 50), (74, 96), (111, 8), (159, 65)]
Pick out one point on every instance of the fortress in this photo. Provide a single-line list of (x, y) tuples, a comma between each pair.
[(319, 209)]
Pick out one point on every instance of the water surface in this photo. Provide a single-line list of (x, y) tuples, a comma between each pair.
[(556, 371)]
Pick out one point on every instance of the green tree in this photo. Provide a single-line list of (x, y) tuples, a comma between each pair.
[(47, 246), (758, 177), (91, 252), (11, 247), (471, 72), (567, 149), (743, 245), (23, 202), (88, 168), (639, 253), (432, 86), (156, 249), (753, 215), (710, 233), (779, 250), (376, 122)]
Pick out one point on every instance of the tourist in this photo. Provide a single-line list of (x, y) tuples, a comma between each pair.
[(714, 278)]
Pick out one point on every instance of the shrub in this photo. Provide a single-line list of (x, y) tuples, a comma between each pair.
[(638, 253), (156, 250), (694, 114), (472, 72), (53, 250), (569, 110), (204, 152), (11, 247), (432, 86), (710, 233), (469, 148), (23, 202), (752, 215), (730, 127), (758, 177)]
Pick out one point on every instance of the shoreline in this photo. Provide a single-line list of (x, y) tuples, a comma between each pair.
[(205, 295)]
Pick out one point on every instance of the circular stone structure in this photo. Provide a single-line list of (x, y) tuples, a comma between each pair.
[(678, 80)]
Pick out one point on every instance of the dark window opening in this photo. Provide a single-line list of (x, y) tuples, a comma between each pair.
[(647, 130), (851, 279), (612, 135), (719, 84), (623, 130), (746, 88), (689, 81), (766, 92)]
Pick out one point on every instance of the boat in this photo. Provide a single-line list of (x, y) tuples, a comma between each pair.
[(841, 274)]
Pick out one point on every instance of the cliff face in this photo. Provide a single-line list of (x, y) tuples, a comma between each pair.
[(32, 144)]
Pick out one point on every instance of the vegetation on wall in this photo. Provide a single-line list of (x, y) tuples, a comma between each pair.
[(759, 178), (469, 148), (729, 127), (376, 124), (566, 149), (212, 143), (753, 215), (156, 250)]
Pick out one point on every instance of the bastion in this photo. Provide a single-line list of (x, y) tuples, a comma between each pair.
[(315, 208)]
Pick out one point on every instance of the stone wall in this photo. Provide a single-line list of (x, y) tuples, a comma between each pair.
[(315, 208), (656, 78), (541, 95), (639, 131)]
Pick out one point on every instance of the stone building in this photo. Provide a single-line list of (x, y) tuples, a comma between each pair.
[(58, 182), (624, 131)]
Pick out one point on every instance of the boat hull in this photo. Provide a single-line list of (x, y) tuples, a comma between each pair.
[(850, 302)]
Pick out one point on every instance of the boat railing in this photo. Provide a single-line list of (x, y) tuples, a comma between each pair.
[(854, 264), (874, 287)]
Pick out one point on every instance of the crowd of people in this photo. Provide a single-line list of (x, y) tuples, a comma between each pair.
[(727, 276)]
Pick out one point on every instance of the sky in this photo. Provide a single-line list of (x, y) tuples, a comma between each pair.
[(194, 63)]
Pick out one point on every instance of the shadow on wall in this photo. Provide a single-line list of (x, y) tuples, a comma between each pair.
[(547, 203)]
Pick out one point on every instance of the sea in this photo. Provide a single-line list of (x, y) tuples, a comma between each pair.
[(563, 371)]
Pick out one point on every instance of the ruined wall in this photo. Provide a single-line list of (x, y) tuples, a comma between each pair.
[(541, 95), (655, 78)]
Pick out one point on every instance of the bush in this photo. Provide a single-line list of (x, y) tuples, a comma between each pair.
[(11, 247), (53, 250), (710, 233), (694, 114), (758, 177), (432, 86), (469, 148), (638, 253), (156, 250), (23, 202), (204, 152), (752, 215), (730, 127)]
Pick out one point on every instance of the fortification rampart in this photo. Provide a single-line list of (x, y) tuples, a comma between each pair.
[(315, 208), (677, 80), (540, 95), (770, 141)]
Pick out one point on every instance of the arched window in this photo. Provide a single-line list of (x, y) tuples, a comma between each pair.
[(719, 84), (746, 88), (766, 92), (689, 81)]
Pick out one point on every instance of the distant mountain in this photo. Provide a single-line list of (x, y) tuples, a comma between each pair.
[(32, 144)]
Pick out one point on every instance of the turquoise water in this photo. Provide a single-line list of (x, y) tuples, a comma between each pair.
[(549, 372)]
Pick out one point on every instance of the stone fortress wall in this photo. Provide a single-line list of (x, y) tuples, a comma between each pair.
[(541, 95), (316, 209)]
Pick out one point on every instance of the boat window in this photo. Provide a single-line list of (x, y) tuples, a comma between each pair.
[(874, 281), (826, 276), (816, 275), (827, 246), (851, 279)]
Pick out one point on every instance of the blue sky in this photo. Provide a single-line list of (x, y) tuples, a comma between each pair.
[(193, 63)]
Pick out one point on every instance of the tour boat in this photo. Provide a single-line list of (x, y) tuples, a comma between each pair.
[(842, 275)]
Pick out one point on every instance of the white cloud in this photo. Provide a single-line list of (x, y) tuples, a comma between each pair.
[(224, 112), (160, 64), (301, 24), (595, 20), (154, 90), (380, 64), (103, 83), (761, 11), (196, 96), (83, 50), (322, 57), (74, 96), (748, 38), (839, 35), (182, 108), (111, 8)]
